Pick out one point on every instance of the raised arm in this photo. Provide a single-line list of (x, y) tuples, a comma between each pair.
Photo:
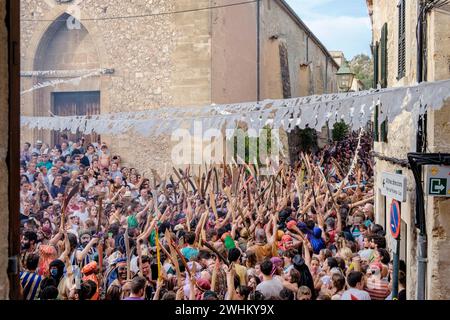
[(80, 255), (321, 223), (147, 232), (159, 284), (230, 282), (66, 251), (306, 252), (272, 238), (339, 220), (142, 213), (54, 240)]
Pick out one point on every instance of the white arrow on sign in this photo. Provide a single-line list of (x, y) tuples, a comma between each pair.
[(393, 185), (436, 186)]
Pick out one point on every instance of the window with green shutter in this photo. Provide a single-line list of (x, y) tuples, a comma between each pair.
[(384, 56), (376, 135), (383, 81), (401, 39), (384, 131), (376, 62), (375, 52)]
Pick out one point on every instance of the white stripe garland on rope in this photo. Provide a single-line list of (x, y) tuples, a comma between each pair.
[(54, 82), (354, 161), (355, 109), (59, 73)]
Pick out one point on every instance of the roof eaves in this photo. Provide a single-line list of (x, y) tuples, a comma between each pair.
[(308, 31)]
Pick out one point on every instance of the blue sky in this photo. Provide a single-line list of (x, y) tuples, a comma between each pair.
[(342, 25)]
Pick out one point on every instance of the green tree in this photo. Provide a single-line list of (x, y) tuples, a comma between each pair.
[(250, 142), (362, 66), (340, 131), (308, 139)]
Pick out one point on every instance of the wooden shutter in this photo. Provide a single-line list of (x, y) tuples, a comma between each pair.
[(384, 57), (375, 64), (383, 67), (380, 59), (384, 131), (401, 39), (376, 135)]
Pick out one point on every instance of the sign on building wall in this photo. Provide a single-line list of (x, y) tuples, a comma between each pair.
[(393, 185), (438, 182), (395, 219)]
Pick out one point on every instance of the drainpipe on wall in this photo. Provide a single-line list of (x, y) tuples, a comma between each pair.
[(326, 74), (420, 207), (307, 48)]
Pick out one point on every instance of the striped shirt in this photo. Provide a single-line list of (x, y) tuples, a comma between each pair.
[(30, 282), (87, 259), (377, 289)]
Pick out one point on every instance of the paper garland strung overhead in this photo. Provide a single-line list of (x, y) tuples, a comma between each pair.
[(354, 108), (50, 83), (58, 73)]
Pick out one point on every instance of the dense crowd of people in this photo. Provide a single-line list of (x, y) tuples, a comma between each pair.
[(93, 229)]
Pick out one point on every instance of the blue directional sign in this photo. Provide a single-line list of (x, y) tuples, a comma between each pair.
[(395, 219)]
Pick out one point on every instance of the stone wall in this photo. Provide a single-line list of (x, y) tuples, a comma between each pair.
[(402, 139), (387, 12), (234, 53), (311, 69), (438, 209), (279, 26), (159, 60), (190, 58), (401, 132), (4, 217)]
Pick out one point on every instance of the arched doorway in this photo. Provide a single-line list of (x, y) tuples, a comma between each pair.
[(73, 52)]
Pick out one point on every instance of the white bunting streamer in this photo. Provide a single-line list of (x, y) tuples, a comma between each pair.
[(54, 82), (354, 108), (59, 73)]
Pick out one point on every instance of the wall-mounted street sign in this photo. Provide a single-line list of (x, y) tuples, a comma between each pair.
[(438, 182), (395, 220), (393, 185)]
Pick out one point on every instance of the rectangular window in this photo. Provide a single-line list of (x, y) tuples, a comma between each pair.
[(401, 39)]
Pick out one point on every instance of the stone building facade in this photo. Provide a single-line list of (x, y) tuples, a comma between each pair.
[(339, 57), (400, 137), (195, 56)]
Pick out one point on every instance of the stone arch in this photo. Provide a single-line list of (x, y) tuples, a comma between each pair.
[(48, 42), (45, 25), (60, 46)]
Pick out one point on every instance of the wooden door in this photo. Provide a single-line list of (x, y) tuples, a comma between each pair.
[(83, 103)]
